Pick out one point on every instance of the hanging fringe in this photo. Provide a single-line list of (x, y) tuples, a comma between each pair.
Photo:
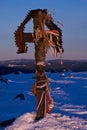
[(55, 46), (50, 101)]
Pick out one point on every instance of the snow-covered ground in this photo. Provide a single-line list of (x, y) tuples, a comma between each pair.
[(69, 92)]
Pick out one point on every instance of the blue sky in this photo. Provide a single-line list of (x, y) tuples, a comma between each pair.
[(72, 13)]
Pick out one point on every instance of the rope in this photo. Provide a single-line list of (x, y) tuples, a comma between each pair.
[(42, 86), (40, 100)]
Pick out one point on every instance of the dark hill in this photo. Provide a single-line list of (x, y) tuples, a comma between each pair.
[(28, 66)]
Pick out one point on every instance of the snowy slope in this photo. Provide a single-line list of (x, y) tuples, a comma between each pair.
[(69, 93), (51, 122)]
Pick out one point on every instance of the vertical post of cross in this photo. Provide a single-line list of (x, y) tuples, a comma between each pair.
[(40, 56)]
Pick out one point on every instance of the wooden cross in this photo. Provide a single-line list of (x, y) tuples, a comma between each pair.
[(41, 39)]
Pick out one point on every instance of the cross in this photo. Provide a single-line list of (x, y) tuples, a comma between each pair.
[(42, 40)]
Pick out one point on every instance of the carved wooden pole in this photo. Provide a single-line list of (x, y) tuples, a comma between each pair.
[(41, 40), (40, 55)]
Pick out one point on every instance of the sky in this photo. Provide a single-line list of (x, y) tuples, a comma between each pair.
[(72, 13)]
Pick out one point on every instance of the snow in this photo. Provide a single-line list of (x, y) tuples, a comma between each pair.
[(51, 122), (69, 93)]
